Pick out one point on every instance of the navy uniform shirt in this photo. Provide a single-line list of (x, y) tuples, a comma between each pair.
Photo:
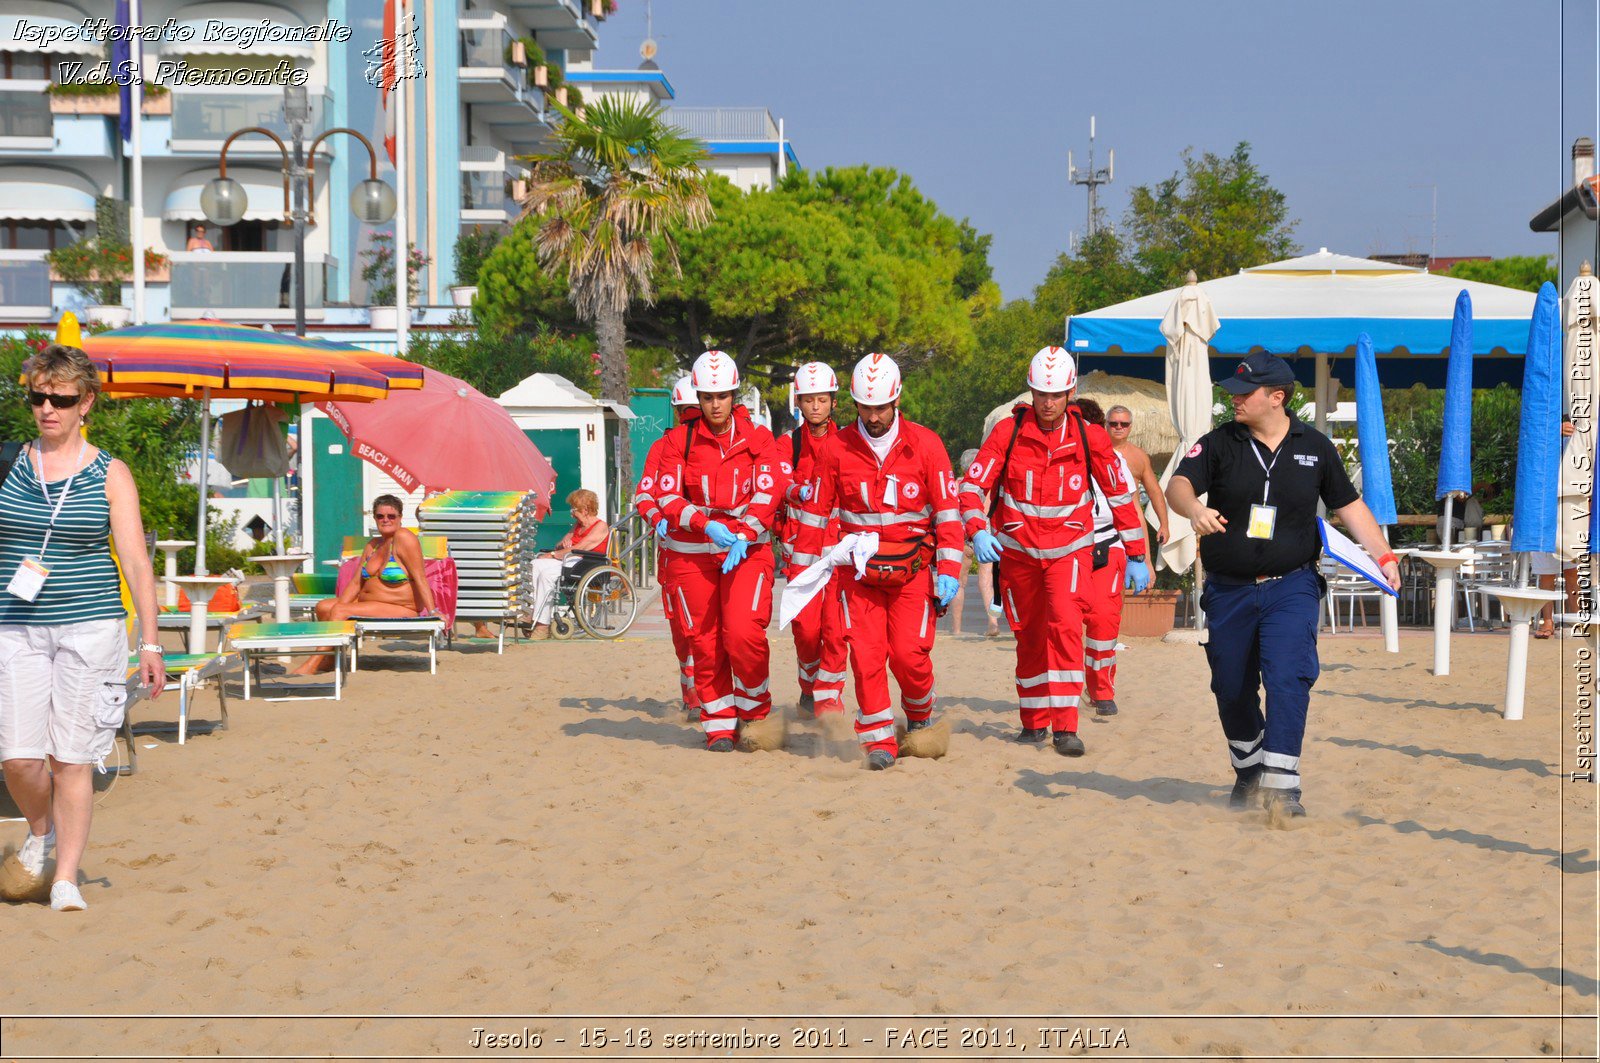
[(1230, 464)]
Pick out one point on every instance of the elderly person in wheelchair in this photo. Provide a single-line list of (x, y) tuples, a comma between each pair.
[(589, 534)]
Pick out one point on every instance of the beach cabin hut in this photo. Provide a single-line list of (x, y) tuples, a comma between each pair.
[(568, 425)]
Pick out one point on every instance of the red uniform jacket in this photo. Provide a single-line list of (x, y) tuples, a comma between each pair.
[(645, 501), (796, 515), (905, 500), (693, 477), (1046, 506)]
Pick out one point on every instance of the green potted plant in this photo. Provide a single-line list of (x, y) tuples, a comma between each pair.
[(472, 247), (378, 272), (556, 81), (97, 269), (574, 100), (537, 62)]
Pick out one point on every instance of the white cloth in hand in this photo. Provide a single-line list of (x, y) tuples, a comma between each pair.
[(855, 549)]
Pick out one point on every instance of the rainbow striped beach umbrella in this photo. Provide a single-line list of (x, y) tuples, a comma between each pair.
[(207, 360)]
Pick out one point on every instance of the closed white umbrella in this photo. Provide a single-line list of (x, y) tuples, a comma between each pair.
[(1188, 327), (1578, 320)]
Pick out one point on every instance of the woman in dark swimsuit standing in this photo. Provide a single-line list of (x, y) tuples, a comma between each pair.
[(389, 579)]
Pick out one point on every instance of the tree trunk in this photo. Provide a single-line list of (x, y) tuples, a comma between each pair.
[(612, 338)]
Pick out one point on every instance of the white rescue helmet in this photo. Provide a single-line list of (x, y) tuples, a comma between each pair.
[(1052, 369), (683, 393), (876, 381), (714, 372), (815, 378)]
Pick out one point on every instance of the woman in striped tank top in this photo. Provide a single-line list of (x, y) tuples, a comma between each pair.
[(63, 639)]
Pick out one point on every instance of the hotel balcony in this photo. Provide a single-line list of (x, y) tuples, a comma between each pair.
[(253, 285), (564, 24), (203, 118)]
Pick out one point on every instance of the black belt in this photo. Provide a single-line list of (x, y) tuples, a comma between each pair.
[(1250, 581)]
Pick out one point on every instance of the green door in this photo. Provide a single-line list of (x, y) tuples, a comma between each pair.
[(560, 445), (337, 506)]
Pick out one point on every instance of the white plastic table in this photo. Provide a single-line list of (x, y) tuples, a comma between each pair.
[(281, 567), (1521, 604), (1444, 602), (170, 547), (199, 589)]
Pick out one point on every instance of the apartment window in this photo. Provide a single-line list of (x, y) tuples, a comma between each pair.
[(244, 236), (32, 235), (24, 66)]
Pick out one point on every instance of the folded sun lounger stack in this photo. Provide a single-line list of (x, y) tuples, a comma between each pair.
[(491, 537)]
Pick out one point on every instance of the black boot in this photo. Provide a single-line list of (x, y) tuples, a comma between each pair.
[(1245, 787), (1034, 735), (1106, 708), (1068, 744)]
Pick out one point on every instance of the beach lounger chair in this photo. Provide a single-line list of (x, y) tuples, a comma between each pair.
[(431, 628), (309, 588), (438, 568), (178, 620), (299, 638), (186, 672)]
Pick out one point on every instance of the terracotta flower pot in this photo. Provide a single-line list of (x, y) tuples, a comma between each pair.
[(1149, 615)]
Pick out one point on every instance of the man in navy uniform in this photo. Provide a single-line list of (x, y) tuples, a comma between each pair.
[(1265, 474)]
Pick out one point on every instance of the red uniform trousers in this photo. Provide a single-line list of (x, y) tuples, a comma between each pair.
[(820, 647), (890, 627), (1044, 601), (1102, 621), (726, 617), (672, 606)]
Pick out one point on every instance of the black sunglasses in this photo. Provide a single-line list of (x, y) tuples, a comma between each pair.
[(60, 402), (386, 516), (1119, 424)]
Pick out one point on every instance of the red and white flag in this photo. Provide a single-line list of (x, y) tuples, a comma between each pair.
[(388, 72)]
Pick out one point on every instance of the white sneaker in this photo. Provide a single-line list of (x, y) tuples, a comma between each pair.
[(35, 851), (64, 897)]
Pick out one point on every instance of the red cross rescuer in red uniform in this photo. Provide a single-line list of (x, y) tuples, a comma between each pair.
[(718, 482), (1039, 464), (687, 406), (886, 475), (818, 629)]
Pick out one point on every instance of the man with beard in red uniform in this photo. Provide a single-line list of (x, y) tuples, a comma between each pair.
[(888, 476), (687, 406), (718, 481), (819, 627), (1039, 463)]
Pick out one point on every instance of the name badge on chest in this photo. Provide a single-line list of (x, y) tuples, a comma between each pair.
[(28, 580), (1263, 519)]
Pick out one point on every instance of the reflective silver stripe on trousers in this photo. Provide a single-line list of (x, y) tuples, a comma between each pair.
[(755, 601), (877, 734), (1099, 644), (1247, 753), (830, 677), (716, 726), (718, 704), (762, 689), (881, 519), (1051, 553), (688, 621), (917, 703), (1052, 701), (922, 632), (1074, 586), (1053, 676), (1100, 664), (875, 717)]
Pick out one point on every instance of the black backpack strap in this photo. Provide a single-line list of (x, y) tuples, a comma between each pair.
[(795, 436), (1016, 429)]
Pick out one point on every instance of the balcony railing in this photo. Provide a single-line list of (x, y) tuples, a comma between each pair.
[(25, 110), (487, 46), (210, 115), (482, 190), (725, 123), (24, 280), (224, 281), (482, 157)]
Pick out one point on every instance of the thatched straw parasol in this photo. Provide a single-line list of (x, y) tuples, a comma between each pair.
[(1147, 399)]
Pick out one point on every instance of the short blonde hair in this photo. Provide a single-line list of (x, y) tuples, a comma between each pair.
[(60, 364), (586, 500)]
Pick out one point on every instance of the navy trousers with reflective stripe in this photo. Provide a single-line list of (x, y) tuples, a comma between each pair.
[(1264, 634)]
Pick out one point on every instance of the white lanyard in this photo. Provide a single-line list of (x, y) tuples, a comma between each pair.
[(1266, 468), (62, 499)]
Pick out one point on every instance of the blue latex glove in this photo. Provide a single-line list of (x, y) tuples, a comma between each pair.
[(805, 492), (736, 554), (1138, 577), (661, 528), (719, 534), (945, 588), (986, 548)]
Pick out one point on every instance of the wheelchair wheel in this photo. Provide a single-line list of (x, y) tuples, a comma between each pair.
[(561, 627), (604, 602)]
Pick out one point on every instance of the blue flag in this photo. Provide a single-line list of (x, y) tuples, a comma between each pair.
[(121, 56)]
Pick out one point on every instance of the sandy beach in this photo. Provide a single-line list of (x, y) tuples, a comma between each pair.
[(540, 833)]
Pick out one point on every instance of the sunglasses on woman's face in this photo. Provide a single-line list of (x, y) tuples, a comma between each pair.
[(386, 516), (60, 402)]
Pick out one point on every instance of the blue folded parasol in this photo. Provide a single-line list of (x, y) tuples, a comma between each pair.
[(1455, 453), (1377, 477), (1533, 528)]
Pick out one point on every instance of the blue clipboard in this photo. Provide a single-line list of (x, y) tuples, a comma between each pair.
[(1339, 547)]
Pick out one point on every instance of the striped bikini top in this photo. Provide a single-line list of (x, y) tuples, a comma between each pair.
[(83, 582)]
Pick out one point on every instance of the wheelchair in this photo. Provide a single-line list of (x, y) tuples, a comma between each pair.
[(593, 596)]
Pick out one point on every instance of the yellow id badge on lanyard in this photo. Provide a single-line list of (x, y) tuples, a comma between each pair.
[(1263, 519)]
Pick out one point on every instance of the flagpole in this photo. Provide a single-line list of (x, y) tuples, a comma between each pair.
[(402, 250), (136, 190)]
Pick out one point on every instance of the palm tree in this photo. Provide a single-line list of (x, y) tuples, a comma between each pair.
[(607, 197)]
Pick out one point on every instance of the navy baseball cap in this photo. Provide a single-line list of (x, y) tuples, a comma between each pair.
[(1262, 369)]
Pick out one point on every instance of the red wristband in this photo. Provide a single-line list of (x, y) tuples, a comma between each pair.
[(1386, 558)]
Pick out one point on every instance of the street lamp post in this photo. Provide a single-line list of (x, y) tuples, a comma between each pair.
[(223, 200)]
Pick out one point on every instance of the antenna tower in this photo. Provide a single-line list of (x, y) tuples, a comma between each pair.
[(1091, 177)]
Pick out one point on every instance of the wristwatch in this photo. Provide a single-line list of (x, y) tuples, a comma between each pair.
[(152, 647)]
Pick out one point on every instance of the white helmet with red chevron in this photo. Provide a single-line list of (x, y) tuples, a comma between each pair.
[(683, 393), (876, 381), (715, 372), (1052, 369), (815, 378)]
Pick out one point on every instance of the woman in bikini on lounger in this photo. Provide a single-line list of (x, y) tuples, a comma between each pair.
[(388, 582)]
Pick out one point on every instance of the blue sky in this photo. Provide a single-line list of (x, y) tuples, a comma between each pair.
[(1347, 106)]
